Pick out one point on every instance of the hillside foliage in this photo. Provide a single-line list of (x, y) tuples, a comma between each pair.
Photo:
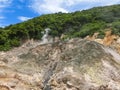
[(76, 24)]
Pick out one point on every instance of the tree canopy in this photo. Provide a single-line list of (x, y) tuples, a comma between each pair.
[(76, 24)]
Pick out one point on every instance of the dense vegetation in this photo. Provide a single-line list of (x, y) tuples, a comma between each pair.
[(77, 24)]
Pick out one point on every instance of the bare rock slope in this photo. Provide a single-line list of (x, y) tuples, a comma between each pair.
[(73, 65)]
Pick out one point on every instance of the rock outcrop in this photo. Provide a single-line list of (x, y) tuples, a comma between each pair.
[(72, 65)]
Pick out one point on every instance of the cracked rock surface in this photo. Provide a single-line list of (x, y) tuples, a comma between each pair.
[(72, 65)]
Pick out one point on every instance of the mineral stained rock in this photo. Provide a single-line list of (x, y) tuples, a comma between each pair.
[(72, 65)]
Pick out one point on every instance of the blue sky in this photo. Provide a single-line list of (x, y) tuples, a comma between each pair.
[(15, 11)]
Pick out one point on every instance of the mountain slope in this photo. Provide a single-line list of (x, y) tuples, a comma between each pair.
[(73, 65), (76, 24)]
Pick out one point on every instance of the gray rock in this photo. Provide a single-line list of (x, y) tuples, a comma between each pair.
[(72, 65)]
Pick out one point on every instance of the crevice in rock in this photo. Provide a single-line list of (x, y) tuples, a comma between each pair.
[(48, 75)]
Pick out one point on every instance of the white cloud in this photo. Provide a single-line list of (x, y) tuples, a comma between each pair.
[(47, 6), (1, 22), (52, 6), (22, 18), (3, 4), (2, 17), (2, 25)]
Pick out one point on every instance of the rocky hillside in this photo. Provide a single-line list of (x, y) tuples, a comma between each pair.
[(76, 64), (63, 51)]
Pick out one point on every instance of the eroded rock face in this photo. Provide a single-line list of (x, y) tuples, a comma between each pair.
[(73, 65)]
